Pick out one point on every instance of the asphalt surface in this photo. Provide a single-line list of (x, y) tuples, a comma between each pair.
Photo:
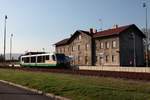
[(8, 92)]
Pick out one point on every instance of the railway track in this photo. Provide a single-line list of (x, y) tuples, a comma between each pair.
[(115, 74)]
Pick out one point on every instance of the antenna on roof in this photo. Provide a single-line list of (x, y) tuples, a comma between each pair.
[(101, 26)]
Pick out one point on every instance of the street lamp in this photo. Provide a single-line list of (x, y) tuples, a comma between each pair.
[(11, 46), (5, 38), (101, 22), (147, 40)]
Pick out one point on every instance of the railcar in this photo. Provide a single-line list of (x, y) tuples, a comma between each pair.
[(51, 60)]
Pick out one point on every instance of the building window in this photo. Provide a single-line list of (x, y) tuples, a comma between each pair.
[(78, 47), (57, 50), (114, 44), (64, 49), (131, 35), (60, 50), (86, 59), (86, 46), (80, 37), (79, 59), (107, 58), (101, 60), (101, 45), (113, 58), (68, 48), (72, 48), (96, 58), (107, 45)]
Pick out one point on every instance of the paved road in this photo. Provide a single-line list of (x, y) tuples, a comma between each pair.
[(8, 92)]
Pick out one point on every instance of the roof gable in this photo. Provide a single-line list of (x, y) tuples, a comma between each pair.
[(77, 33), (68, 40)]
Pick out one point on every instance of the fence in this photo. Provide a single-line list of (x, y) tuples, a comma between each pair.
[(123, 69)]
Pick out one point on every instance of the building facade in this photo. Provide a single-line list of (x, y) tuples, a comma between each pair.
[(119, 46)]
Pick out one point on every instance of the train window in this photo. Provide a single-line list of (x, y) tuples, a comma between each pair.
[(47, 57), (53, 57), (33, 59), (26, 60), (44, 57), (39, 59)]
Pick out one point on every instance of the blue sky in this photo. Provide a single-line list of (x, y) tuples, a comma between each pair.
[(38, 24)]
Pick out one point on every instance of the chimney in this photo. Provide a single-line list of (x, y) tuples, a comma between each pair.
[(115, 26), (95, 30), (91, 30)]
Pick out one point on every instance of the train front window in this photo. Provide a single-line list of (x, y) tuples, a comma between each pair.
[(60, 57)]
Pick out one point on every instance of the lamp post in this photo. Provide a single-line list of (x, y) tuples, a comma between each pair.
[(101, 22), (147, 40), (5, 38), (11, 46)]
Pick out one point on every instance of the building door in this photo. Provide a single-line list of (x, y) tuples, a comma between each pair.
[(101, 61)]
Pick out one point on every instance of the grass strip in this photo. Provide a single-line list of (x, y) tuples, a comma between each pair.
[(79, 87)]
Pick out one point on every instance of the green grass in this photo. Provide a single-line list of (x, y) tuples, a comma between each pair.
[(80, 87)]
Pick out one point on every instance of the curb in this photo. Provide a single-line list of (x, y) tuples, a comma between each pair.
[(54, 97)]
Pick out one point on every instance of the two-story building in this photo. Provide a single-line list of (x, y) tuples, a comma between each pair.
[(119, 46)]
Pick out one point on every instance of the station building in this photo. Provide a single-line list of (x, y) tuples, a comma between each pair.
[(118, 46)]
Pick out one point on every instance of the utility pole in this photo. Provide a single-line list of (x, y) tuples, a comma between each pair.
[(11, 47), (5, 38), (101, 22), (146, 32)]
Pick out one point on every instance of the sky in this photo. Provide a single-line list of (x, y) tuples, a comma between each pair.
[(38, 24)]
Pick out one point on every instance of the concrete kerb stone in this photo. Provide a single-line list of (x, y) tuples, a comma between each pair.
[(55, 97)]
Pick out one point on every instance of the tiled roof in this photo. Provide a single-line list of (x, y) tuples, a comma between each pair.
[(62, 42), (109, 32)]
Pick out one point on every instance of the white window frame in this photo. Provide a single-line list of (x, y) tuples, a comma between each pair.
[(86, 46), (114, 44), (80, 37), (107, 45), (101, 45)]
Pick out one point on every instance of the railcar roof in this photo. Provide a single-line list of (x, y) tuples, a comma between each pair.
[(38, 55)]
